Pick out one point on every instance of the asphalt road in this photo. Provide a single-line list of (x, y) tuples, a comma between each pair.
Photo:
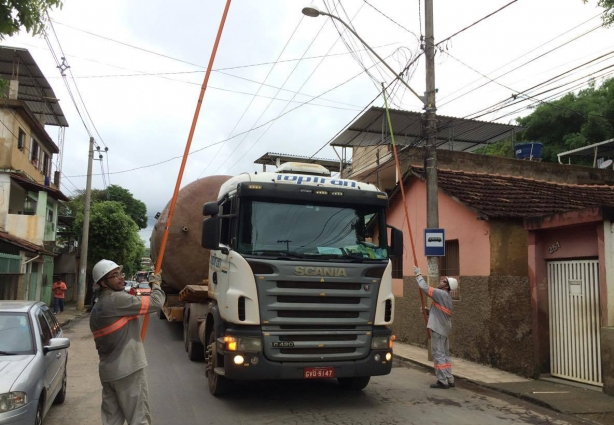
[(179, 394)]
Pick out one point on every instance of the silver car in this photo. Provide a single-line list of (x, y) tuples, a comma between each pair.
[(33, 357)]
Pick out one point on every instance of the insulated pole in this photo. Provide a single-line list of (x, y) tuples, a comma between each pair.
[(432, 204), (186, 152), (86, 231)]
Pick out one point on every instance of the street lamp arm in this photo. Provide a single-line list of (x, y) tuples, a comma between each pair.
[(422, 98)]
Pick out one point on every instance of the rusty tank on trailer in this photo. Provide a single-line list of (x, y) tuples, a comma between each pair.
[(185, 261)]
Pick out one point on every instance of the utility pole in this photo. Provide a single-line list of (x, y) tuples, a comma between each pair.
[(430, 121), (86, 231)]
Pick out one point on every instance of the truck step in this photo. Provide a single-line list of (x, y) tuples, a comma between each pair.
[(220, 371)]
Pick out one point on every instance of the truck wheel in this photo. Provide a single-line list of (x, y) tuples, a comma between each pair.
[(161, 314), (196, 351), (218, 385), (355, 383), (185, 330)]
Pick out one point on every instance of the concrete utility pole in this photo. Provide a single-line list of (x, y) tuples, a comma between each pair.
[(430, 124), (86, 231)]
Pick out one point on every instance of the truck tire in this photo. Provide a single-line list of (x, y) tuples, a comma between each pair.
[(196, 351), (355, 383), (161, 314), (185, 329), (218, 385)]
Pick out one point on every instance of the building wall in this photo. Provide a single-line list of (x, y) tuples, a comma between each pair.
[(571, 242), (491, 324), (460, 223), (508, 248), (492, 319)]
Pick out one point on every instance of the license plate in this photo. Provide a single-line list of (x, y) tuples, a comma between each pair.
[(318, 372)]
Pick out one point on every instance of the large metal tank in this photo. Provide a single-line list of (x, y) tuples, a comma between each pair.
[(185, 261)]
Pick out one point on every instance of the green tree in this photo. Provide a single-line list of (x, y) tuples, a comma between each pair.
[(608, 14), (573, 121), (133, 207), (29, 14), (112, 235)]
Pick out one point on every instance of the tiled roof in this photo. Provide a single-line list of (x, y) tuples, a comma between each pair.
[(495, 195), (22, 243)]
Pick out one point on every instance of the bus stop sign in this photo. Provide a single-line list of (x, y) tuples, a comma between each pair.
[(434, 242)]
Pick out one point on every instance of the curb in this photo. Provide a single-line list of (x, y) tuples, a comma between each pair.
[(402, 360), (72, 319)]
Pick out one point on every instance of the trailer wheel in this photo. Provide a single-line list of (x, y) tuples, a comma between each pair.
[(161, 314), (218, 385), (185, 329), (196, 351), (355, 383)]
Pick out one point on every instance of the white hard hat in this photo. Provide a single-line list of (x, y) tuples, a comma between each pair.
[(452, 283), (102, 268)]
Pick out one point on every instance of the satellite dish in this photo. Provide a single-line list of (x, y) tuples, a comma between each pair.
[(605, 164)]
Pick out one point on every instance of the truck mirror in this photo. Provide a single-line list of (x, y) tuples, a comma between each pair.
[(396, 242), (211, 233), (211, 209)]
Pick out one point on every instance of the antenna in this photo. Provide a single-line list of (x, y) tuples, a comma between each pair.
[(605, 164)]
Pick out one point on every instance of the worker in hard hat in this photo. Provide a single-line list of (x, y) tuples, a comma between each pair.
[(440, 324), (114, 323)]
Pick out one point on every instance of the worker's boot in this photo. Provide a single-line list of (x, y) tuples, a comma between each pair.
[(438, 384)]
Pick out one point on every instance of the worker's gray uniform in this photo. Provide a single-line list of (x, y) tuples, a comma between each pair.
[(115, 325), (440, 324)]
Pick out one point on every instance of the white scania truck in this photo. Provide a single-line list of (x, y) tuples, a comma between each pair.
[(300, 280)]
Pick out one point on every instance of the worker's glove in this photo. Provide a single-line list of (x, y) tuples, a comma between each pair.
[(417, 271), (155, 279)]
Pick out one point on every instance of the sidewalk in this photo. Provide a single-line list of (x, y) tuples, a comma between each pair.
[(580, 400), (69, 314)]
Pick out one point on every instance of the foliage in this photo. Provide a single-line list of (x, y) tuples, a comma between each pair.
[(112, 235), (30, 14), (503, 148), (573, 121), (608, 13), (133, 207)]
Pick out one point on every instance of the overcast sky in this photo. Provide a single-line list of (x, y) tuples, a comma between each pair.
[(145, 119)]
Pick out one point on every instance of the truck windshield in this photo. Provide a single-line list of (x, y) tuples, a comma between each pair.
[(305, 231)]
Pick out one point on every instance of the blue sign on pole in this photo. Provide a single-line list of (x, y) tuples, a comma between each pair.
[(435, 242)]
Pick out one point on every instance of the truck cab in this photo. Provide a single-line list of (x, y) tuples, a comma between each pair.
[(300, 279)]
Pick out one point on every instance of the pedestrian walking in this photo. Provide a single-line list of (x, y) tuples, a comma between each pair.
[(440, 324), (115, 325), (58, 288)]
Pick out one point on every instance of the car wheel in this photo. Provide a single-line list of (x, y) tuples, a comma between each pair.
[(59, 399), (38, 420), (218, 384)]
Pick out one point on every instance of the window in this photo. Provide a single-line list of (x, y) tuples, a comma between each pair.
[(450, 264), (34, 152), (397, 267), (21, 139), (53, 323), (46, 334), (225, 232), (46, 164)]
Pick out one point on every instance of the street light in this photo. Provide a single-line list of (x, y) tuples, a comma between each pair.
[(312, 12)]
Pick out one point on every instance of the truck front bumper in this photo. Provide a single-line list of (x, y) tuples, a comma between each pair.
[(257, 367)]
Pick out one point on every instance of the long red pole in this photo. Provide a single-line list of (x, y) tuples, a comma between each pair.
[(401, 186), (185, 155)]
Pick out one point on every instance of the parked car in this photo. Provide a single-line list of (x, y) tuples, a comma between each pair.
[(142, 288), (142, 276), (129, 285), (33, 359)]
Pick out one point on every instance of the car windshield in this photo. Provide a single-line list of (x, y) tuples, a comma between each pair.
[(286, 230), (15, 334)]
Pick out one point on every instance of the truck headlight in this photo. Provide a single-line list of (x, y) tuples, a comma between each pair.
[(243, 344), (250, 344), (12, 401), (380, 343)]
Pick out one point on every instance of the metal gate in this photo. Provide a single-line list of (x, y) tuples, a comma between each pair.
[(573, 293)]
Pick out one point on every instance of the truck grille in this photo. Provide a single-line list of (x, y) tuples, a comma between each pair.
[(326, 319)]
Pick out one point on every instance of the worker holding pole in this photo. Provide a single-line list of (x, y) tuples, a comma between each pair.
[(440, 325)]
